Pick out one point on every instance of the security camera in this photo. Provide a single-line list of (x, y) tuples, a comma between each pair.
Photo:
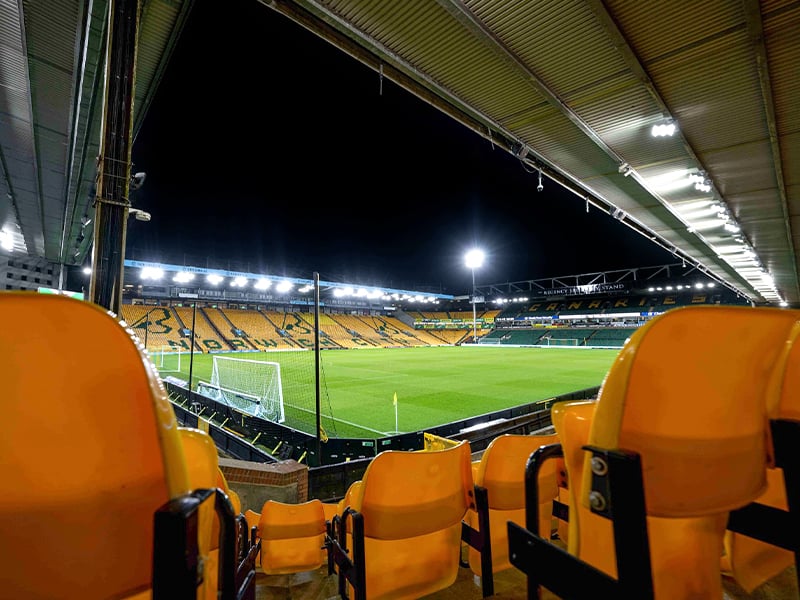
[(539, 187), (137, 180)]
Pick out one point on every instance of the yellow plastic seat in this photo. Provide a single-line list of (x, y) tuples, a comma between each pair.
[(572, 421), (686, 398), (411, 506), (501, 471), (292, 537), (202, 464), (253, 519), (90, 449), (222, 484), (749, 561)]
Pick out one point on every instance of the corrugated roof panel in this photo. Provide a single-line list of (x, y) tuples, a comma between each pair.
[(743, 168), (691, 83), (623, 117), (783, 58), (561, 43), (155, 31), (657, 30), (51, 104), (754, 206), (50, 30)]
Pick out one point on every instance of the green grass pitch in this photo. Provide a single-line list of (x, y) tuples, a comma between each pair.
[(434, 385)]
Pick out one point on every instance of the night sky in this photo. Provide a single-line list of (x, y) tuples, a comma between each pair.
[(269, 150)]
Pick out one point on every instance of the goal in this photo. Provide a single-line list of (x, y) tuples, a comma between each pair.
[(167, 359), (562, 341), (250, 386)]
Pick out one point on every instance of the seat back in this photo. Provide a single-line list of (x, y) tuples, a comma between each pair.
[(572, 421), (749, 561), (413, 504), (292, 537), (687, 393), (90, 450), (501, 470)]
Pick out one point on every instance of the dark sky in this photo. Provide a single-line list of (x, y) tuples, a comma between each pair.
[(270, 149)]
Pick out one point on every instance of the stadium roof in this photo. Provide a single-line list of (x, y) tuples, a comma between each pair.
[(571, 88)]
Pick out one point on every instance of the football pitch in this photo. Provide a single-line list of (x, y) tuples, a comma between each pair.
[(433, 385)]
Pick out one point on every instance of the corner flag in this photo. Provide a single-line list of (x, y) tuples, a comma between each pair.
[(395, 399)]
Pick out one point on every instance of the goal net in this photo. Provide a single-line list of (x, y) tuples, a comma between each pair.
[(250, 386), (562, 341), (168, 358)]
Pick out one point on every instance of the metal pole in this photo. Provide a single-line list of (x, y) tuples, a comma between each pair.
[(474, 312), (146, 326), (316, 367), (191, 353)]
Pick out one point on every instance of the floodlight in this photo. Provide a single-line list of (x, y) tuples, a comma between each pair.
[(140, 215), (6, 240), (474, 260)]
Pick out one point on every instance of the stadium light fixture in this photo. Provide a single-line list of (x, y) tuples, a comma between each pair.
[(183, 277), (152, 273), (664, 129), (474, 260), (6, 240)]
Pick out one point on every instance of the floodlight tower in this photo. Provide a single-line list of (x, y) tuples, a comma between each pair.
[(474, 260)]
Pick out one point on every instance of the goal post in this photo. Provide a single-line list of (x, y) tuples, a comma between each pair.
[(563, 341), (250, 386), (167, 359)]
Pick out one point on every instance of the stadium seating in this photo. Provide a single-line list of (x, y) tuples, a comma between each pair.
[(501, 472), (399, 536), (92, 458), (292, 537), (678, 439), (751, 561)]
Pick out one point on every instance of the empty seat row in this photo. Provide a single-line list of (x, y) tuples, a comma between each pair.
[(672, 470), (421, 510)]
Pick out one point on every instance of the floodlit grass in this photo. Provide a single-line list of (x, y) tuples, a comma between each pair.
[(434, 386)]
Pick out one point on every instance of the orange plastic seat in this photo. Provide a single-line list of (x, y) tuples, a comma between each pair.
[(91, 450), (403, 524), (501, 471), (682, 410), (292, 537), (572, 421), (749, 561)]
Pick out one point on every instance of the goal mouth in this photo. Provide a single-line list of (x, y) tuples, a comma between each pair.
[(561, 342), (167, 359), (253, 387)]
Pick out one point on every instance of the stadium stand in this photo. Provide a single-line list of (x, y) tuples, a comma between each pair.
[(206, 337), (362, 333), (686, 399), (163, 329), (234, 337), (296, 331), (265, 331), (103, 500)]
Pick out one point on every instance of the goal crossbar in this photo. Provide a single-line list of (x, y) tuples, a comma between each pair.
[(251, 386)]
